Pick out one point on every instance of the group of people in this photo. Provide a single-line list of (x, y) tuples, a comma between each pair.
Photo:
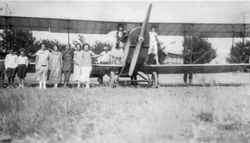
[(55, 64), (12, 65), (155, 46), (52, 64)]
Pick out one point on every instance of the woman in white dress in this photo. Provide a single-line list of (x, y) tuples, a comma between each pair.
[(42, 66), (86, 67), (77, 65)]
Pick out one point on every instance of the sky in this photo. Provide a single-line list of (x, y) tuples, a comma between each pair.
[(162, 11)]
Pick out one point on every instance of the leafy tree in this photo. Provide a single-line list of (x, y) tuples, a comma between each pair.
[(16, 39), (240, 52), (98, 46), (49, 44), (80, 40), (198, 50)]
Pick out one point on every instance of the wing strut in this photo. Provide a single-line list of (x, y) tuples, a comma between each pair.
[(68, 31)]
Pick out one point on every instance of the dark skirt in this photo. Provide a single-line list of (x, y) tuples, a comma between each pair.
[(21, 71), (67, 75), (11, 72)]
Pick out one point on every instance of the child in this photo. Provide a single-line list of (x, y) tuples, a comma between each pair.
[(10, 66), (42, 66), (22, 62)]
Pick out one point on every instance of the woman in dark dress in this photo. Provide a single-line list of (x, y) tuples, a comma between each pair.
[(67, 70)]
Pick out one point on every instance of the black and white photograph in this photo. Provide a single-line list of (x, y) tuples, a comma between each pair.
[(123, 71)]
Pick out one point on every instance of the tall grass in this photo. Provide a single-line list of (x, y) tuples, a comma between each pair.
[(118, 115), (30, 110)]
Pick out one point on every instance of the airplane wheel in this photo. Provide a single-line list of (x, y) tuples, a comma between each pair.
[(155, 80)]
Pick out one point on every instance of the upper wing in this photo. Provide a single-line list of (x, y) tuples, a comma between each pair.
[(204, 29), (103, 27), (194, 68), (61, 25)]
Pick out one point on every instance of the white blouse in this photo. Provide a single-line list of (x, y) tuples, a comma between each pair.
[(22, 60), (11, 61)]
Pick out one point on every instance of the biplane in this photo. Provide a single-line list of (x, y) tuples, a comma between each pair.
[(137, 43)]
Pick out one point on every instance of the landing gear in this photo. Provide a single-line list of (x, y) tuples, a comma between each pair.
[(113, 79), (134, 79), (100, 79), (155, 80)]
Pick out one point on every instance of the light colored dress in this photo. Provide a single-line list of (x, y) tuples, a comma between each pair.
[(77, 65), (153, 49), (117, 48), (86, 65), (116, 52), (42, 66), (55, 67)]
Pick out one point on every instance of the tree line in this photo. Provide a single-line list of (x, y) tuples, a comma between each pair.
[(205, 53)]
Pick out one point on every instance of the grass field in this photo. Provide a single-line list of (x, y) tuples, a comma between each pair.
[(183, 114)]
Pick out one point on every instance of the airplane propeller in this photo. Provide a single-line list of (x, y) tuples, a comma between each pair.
[(140, 41)]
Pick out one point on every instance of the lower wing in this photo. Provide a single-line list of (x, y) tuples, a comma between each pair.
[(195, 68)]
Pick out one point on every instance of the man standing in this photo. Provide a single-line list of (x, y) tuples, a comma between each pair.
[(187, 59), (10, 66), (67, 70)]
